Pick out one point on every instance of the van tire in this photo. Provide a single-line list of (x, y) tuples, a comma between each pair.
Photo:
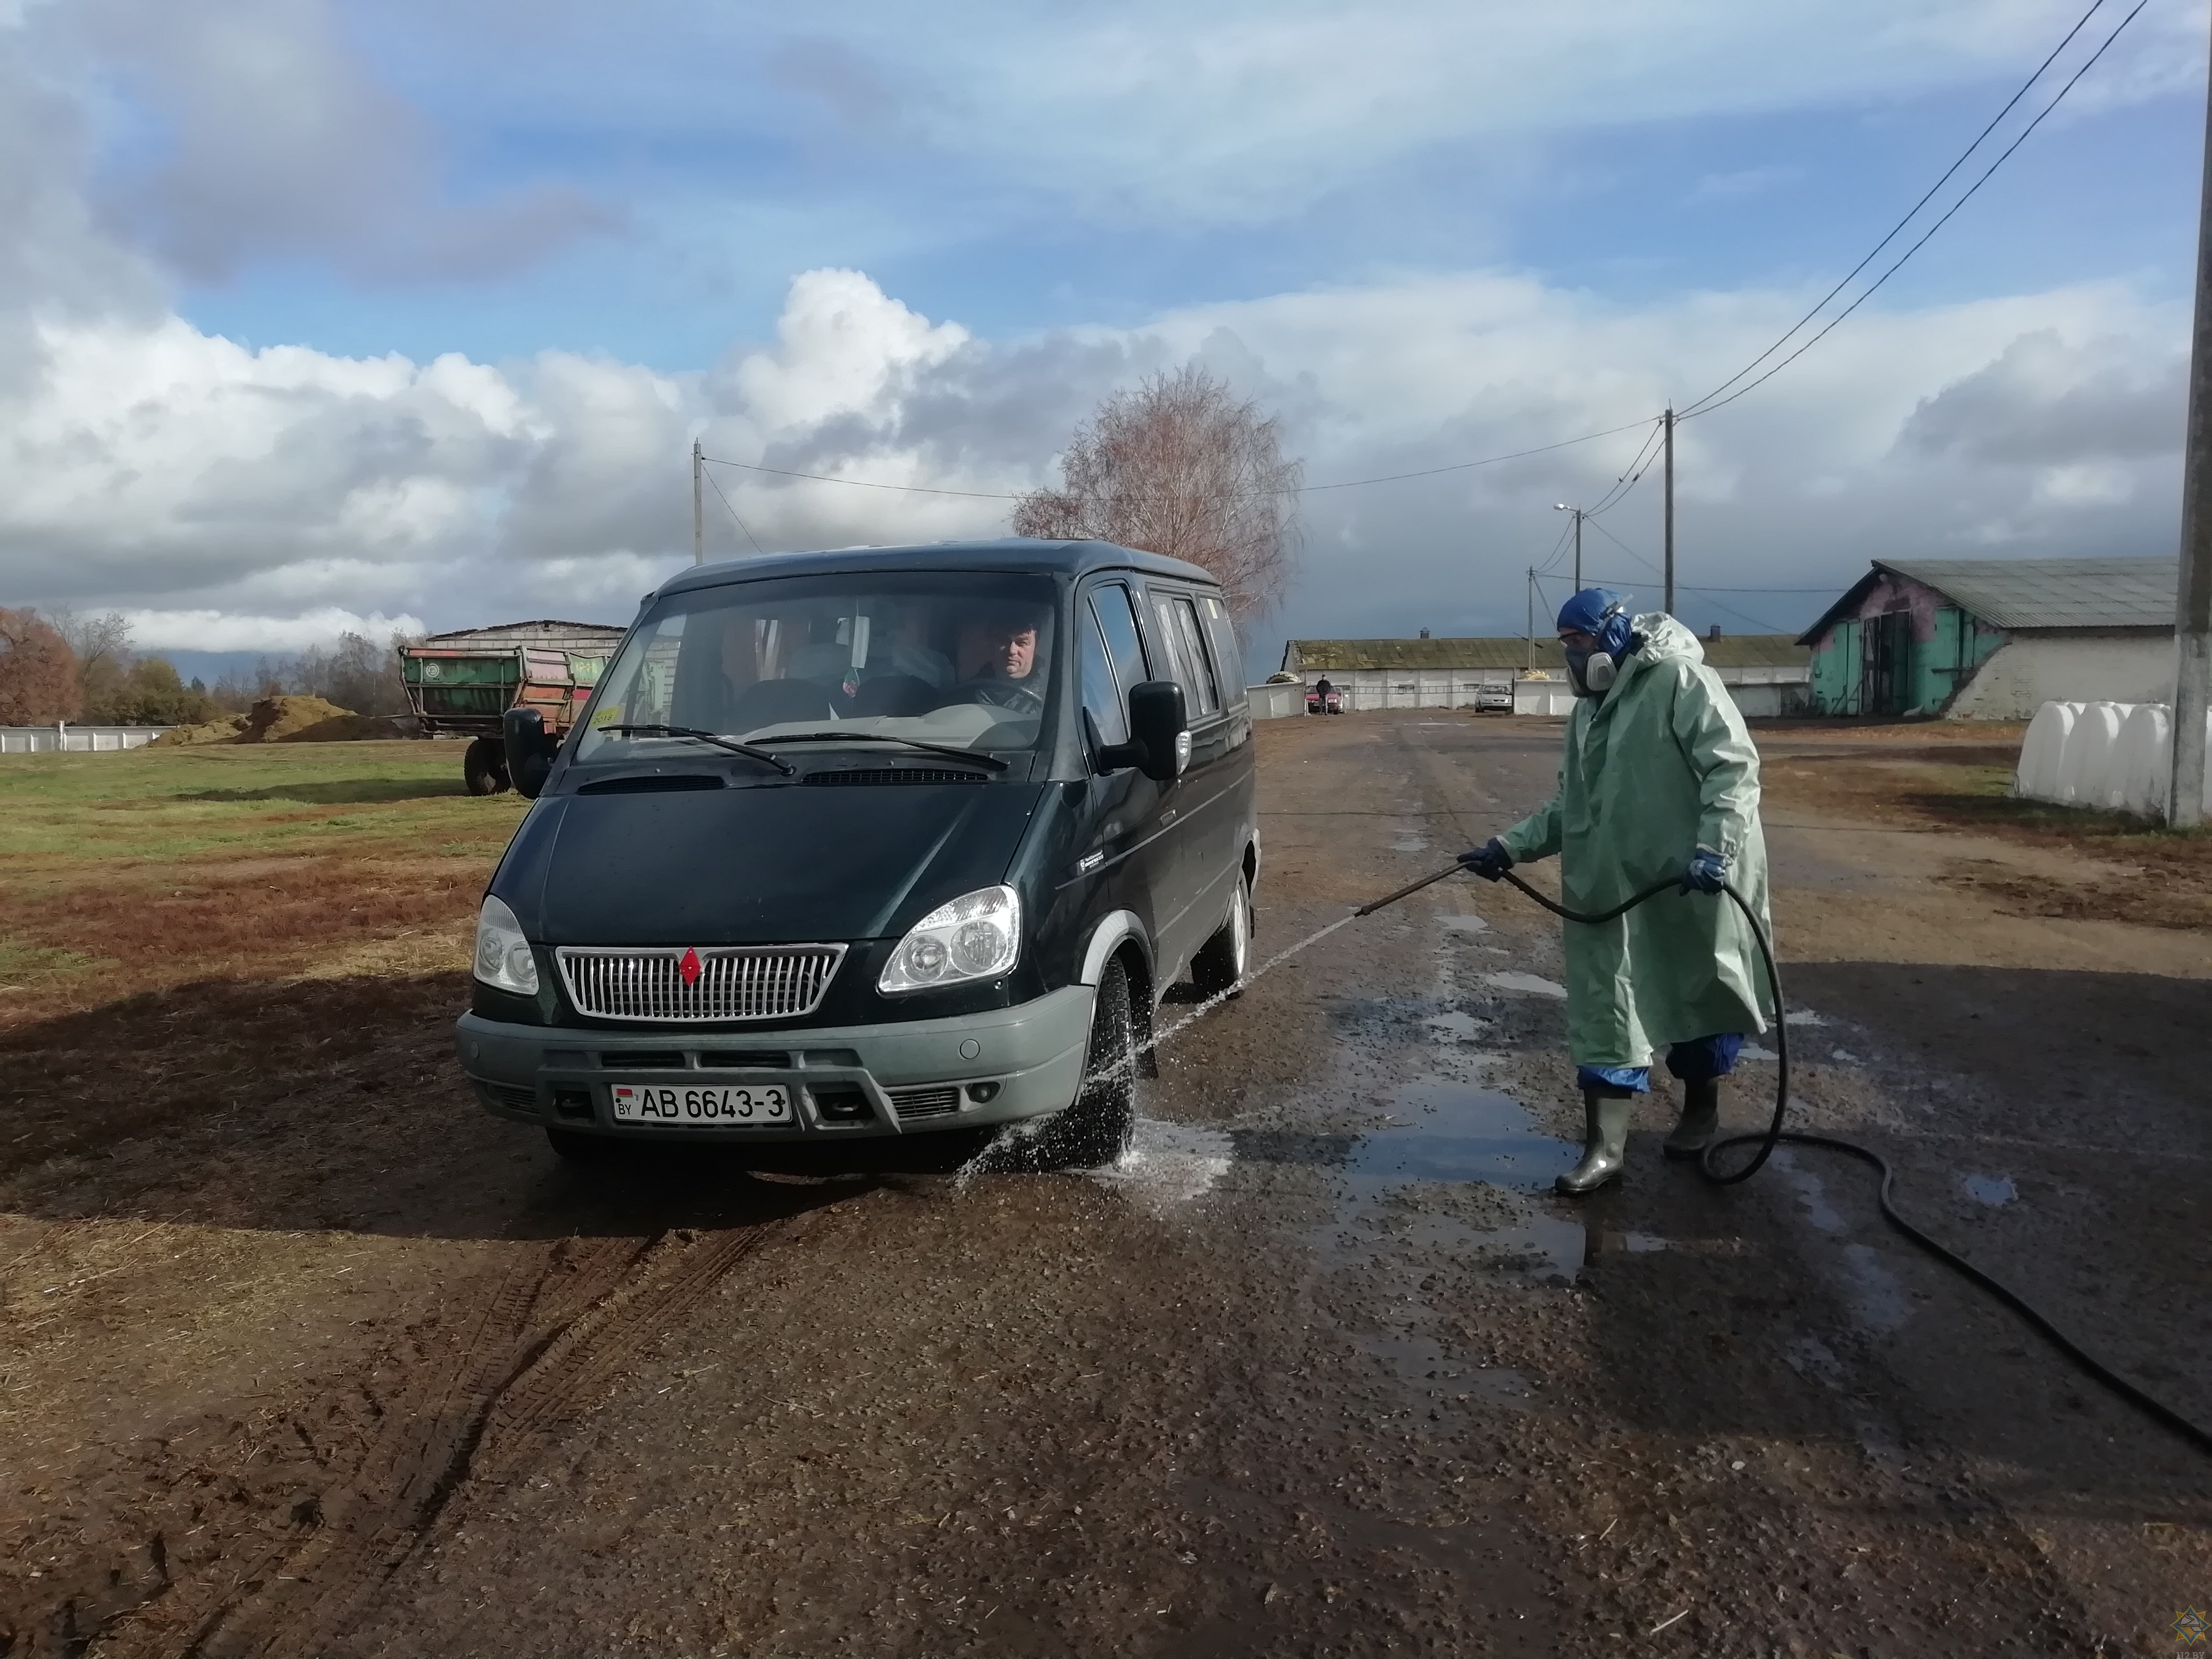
[(1094, 1130), (1222, 961), (483, 766)]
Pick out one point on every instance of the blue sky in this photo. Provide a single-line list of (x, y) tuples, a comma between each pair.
[(323, 313)]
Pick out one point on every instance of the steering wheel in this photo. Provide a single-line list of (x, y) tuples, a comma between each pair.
[(1017, 696)]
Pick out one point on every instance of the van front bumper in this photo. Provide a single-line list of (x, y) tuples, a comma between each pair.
[(908, 1077)]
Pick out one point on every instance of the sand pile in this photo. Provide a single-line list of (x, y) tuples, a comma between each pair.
[(288, 719), (225, 730)]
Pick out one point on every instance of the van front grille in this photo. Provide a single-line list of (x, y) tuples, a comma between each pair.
[(679, 985), (925, 1102)]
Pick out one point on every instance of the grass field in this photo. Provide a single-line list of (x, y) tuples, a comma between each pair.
[(121, 874)]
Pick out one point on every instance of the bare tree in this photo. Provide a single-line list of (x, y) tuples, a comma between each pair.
[(38, 674), (102, 644), (1180, 465)]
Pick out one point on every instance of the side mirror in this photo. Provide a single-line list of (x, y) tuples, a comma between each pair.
[(1159, 733), (530, 750)]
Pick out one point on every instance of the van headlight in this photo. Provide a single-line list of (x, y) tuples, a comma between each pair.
[(977, 936), (503, 956)]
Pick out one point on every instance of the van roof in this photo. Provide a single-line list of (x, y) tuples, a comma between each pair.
[(1011, 553)]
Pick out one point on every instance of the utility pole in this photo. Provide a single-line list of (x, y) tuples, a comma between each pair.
[(1670, 606), (698, 504), (1561, 507), (1531, 596), (2192, 609)]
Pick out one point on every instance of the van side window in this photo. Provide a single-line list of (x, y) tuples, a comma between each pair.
[(1228, 655), (1102, 697), (1117, 620), (1179, 622)]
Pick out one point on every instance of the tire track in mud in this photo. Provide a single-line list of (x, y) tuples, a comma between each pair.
[(537, 1355)]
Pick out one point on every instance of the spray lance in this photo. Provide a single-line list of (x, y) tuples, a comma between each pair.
[(1776, 1133)]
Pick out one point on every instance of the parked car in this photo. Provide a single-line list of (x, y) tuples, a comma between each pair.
[(1320, 702), (464, 682), (872, 843), (1494, 699)]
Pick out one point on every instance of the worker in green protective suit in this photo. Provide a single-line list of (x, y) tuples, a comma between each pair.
[(1659, 780)]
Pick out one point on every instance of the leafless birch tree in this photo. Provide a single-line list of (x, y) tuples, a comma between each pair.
[(1180, 465)]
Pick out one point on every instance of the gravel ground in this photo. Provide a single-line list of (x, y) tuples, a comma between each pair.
[(349, 1369)]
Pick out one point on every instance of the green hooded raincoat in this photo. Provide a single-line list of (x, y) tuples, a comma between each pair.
[(1658, 767)]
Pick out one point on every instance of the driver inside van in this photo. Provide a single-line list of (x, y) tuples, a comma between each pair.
[(998, 660)]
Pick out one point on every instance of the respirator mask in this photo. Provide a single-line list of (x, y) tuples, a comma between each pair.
[(1599, 613)]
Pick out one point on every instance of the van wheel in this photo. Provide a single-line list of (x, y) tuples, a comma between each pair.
[(484, 766), (1095, 1130), (1223, 960)]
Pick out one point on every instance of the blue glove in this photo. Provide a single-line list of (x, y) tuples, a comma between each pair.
[(1707, 872), (1490, 861)]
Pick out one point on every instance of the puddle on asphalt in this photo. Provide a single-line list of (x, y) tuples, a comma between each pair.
[(1169, 1166), (1464, 924), (1448, 1132), (1457, 1023), (1804, 1017), (1878, 1302), (1992, 1190), (1533, 985)]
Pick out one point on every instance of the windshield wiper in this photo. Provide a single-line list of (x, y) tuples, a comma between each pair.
[(716, 739), (946, 748)]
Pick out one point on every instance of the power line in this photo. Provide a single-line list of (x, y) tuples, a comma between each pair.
[(1706, 404), (1462, 467), (742, 524), (1754, 621), (1635, 471)]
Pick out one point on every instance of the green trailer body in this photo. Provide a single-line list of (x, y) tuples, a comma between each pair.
[(463, 684)]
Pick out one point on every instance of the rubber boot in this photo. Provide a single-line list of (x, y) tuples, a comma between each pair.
[(1605, 1145), (1701, 1118)]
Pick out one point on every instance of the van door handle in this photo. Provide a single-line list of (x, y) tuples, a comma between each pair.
[(1169, 817)]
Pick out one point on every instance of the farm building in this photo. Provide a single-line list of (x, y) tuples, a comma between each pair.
[(1994, 639), (1766, 673)]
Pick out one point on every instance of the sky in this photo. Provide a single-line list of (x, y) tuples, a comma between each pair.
[(317, 315)]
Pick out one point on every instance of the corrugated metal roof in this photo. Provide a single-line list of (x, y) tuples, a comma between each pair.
[(1729, 651), (2015, 593), (529, 633)]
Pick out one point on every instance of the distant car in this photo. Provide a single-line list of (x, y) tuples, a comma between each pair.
[(1321, 702), (1494, 699)]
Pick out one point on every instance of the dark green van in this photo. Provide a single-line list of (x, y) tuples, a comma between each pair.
[(868, 843)]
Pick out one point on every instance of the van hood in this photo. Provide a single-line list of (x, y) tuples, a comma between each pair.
[(757, 866)]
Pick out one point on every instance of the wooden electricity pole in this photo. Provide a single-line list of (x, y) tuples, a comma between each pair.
[(2192, 610), (698, 504), (1670, 606)]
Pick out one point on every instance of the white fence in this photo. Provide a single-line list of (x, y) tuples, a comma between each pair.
[(2117, 756), (1276, 699), (76, 740)]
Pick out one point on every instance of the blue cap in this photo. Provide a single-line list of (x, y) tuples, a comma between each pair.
[(1602, 614)]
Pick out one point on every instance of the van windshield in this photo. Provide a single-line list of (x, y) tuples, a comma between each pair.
[(954, 657)]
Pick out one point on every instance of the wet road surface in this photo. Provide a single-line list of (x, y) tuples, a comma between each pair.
[(1321, 1368)]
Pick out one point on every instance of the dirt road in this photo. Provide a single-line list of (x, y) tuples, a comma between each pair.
[(343, 1367)]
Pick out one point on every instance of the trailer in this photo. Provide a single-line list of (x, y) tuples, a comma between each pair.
[(460, 684)]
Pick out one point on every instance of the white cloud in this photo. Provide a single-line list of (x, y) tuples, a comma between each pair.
[(175, 473), (213, 630)]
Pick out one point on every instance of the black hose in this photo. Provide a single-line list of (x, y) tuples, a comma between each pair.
[(1774, 1134)]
